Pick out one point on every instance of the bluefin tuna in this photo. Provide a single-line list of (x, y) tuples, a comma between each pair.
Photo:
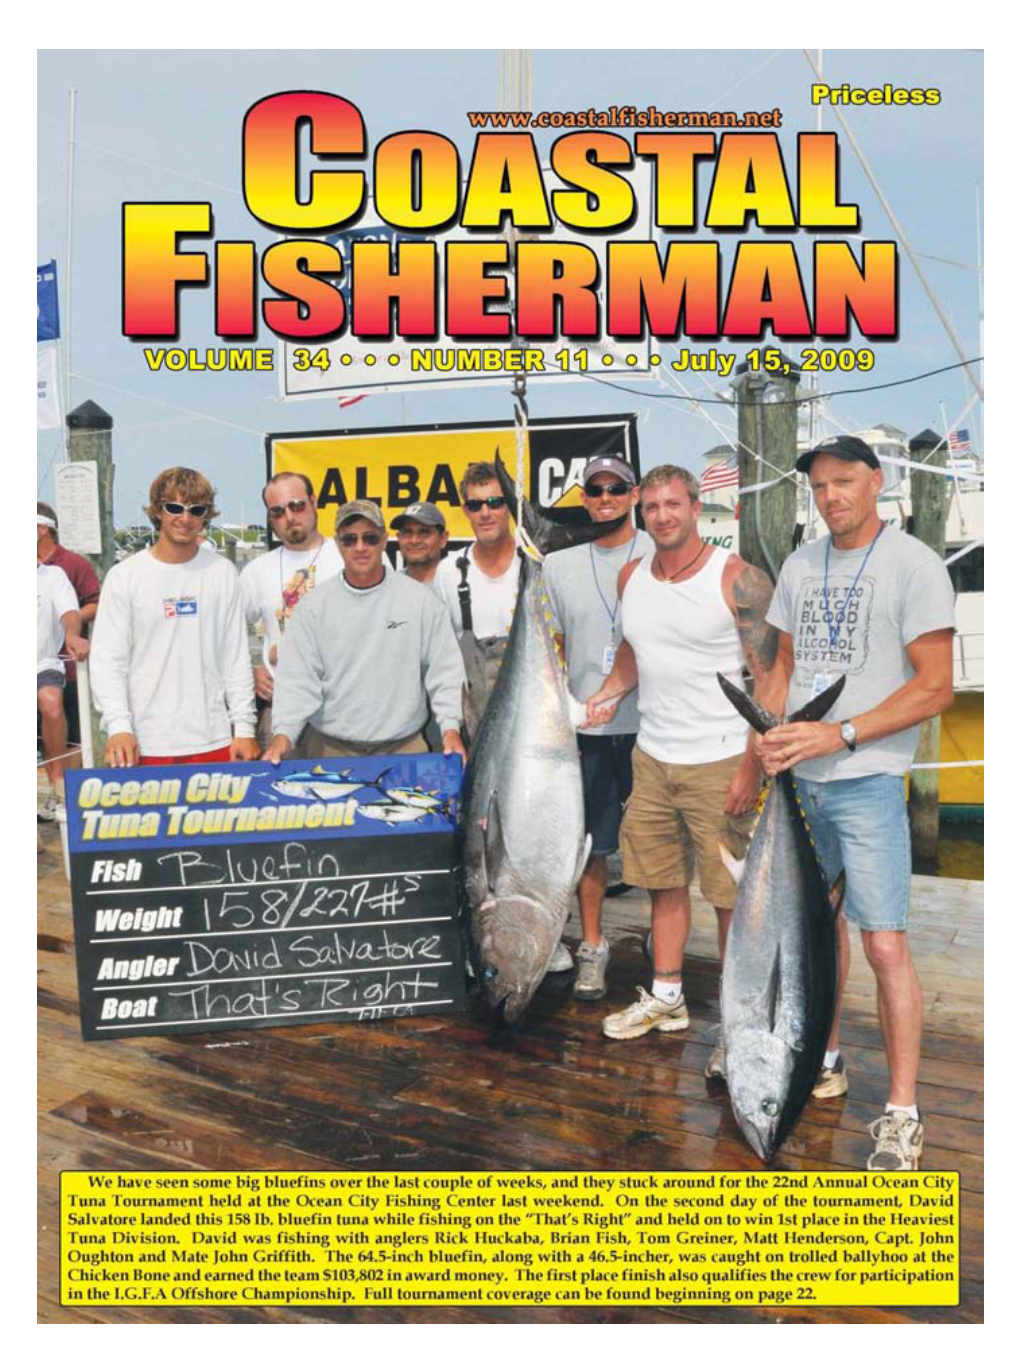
[(522, 824), (324, 785), (779, 978)]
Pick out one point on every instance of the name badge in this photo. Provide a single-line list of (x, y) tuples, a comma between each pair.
[(608, 658), (821, 683)]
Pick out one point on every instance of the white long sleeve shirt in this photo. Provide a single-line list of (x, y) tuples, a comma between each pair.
[(169, 659)]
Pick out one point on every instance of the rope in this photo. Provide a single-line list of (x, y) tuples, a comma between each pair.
[(71, 750), (520, 388)]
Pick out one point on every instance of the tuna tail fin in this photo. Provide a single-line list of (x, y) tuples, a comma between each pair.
[(815, 709), (548, 535), (734, 867), (749, 709)]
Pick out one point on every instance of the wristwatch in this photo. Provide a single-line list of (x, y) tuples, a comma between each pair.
[(849, 734)]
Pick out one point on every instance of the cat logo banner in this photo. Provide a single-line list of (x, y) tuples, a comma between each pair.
[(397, 466)]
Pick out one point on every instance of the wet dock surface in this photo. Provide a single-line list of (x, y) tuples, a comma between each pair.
[(431, 1093)]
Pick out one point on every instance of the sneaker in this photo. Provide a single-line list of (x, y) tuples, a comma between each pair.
[(648, 1012), (590, 983), (52, 808), (716, 1065), (898, 1142), (562, 961), (831, 1081)]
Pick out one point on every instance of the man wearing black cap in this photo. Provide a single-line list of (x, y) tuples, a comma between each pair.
[(876, 605), (581, 584), (367, 653), (421, 538)]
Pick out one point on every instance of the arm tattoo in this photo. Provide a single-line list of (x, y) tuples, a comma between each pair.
[(752, 594)]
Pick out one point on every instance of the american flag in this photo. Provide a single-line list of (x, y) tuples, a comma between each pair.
[(723, 473), (959, 441)]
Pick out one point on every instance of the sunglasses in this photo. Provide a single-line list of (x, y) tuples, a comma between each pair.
[(352, 540), (493, 502), (595, 492), (295, 508), (176, 508)]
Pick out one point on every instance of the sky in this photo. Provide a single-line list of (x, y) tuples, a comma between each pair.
[(166, 126)]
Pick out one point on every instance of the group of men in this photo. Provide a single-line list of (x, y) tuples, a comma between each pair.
[(359, 659)]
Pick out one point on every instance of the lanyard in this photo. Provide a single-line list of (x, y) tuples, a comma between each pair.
[(834, 628), (598, 588)]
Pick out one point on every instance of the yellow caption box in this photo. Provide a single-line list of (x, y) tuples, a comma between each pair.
[(808, 1239)]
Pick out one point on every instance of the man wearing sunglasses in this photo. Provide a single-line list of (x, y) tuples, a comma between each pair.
[(274, 582), (479, 587), (582, 586), (171, 674), (365, 656)]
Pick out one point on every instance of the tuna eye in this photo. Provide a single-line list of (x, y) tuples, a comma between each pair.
[(491, 972), (770, 1107)]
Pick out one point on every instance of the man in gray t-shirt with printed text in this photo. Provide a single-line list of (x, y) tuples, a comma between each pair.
[(582, 586), (876, 605)]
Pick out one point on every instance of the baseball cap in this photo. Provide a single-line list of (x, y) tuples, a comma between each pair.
[(422, 512), (614, 465), (845, 446), (360, 510)]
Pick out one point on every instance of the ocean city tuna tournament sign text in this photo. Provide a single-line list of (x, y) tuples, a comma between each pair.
[(419, 186)]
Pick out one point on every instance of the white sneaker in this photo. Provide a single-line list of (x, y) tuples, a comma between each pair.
[(648, 1012), (898, 1142), (562, 960), (52, 808), (590, 983)]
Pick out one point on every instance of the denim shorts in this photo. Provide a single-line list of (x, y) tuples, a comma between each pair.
[(606, 775), (860, 825)]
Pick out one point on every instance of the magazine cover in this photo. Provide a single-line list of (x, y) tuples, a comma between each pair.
[(510, 685)]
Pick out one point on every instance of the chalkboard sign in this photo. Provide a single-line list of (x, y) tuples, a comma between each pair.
[(231, 896)]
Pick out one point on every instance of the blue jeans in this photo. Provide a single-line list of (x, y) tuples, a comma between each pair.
[(860, 825)]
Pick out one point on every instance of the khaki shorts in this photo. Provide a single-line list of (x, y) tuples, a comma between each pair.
[(675, 820), (319, 745)]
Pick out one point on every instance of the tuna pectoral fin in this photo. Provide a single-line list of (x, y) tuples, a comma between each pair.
[(749, 709), (582, 860), (734, 867), (494, 855), (838, 891), (815, 709), (765, 1007)]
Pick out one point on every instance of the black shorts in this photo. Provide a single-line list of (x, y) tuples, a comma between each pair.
[(606, 776)]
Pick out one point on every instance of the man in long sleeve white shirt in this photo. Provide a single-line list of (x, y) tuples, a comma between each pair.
[(363, 652), (170, 669)]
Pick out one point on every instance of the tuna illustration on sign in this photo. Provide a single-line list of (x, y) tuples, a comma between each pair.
[(522, 819), (779, 978), (326, 785)]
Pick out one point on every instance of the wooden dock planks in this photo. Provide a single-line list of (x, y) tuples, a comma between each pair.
[(438, 1093)]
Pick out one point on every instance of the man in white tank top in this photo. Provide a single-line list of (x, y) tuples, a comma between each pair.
[(689, 610)]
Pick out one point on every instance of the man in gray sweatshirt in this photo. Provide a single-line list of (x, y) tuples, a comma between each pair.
[(364, 656)]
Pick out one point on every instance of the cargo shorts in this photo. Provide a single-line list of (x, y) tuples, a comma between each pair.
[(674, 822)]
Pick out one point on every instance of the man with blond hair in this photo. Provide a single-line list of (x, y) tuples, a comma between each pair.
[(171, 674), (688, 610)]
